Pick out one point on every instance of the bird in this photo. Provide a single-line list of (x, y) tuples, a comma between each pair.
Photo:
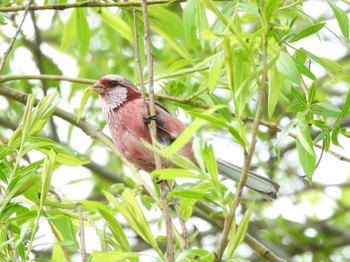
[(127, 117)]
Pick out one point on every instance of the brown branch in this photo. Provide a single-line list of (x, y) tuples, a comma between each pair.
[(153, 131), (248, 155), (85, 4), (81, 233), (13, 40)]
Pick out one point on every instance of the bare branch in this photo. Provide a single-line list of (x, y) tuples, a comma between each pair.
[(153, 131), (85, 4), (7, 52), (81, 233)]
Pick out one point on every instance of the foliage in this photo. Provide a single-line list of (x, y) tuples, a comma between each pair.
[(209, 64)]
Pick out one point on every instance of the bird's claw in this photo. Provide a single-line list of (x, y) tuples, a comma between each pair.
[(148, 119)]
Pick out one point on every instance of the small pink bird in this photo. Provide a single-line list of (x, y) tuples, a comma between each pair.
[(126, 116)]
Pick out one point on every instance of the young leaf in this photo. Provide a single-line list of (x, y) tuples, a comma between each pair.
[(237, 235), (306, 153), (286, 66), (283, 135), (345, 110), (83, 32), (84, 99), (188, 133), (306, 32), (116, 23), (275, 83), (329, 65), (342, 18)]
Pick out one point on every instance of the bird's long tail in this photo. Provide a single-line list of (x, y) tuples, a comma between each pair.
[(260, 184)]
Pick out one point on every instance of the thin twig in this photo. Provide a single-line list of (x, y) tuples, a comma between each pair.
[(138, 62), (248, 155), (85, 4), (81, 233), (153, 131), (185, 233), (13, 40)]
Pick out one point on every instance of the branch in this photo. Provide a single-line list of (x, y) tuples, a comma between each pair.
[(81, 233), (7, 52), (153, 131), (248, 155), (85, 4)]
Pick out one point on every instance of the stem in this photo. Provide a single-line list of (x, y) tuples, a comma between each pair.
[(7, 52), (153, 131), (248, 155)]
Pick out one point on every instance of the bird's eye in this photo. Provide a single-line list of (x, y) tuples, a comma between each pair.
[(114, 83)]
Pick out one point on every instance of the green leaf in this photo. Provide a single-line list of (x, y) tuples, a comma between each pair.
[(312, 92), (282, 136), (286, 66), (329, 65), (325, 109), (335, 134), (342, 18), (112, 256), (116, 23), (212, 169), (69, 31), (220, 122), (46, 174), (195, 255), (188, 132), (116, 229), (83, 32), (84, 99), (64, 227), (275, 83), (64, 155), (236, 236), (168, 25), (306, 153), (189, 23), (214, 72), (173, 173), (345, 110), (299, 97), (306, 32), (131, 211)]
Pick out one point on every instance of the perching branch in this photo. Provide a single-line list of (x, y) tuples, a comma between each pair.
[(81, 233), (7, 52), (153, 131)]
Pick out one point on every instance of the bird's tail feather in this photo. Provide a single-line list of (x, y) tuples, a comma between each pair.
[(260, 184)]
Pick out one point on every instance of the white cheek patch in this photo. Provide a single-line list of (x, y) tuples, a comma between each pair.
[(113, 99)]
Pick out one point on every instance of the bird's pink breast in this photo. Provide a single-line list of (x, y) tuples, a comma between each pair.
[(127, 127)]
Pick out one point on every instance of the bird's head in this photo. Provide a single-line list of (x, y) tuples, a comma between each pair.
[(114, 90)]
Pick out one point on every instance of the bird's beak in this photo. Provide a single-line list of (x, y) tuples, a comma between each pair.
[(98, 88)]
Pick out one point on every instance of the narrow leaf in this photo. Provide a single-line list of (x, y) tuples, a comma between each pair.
[(286, 66), (84, 99), (342, 18), (306, 153), (306, 32)]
